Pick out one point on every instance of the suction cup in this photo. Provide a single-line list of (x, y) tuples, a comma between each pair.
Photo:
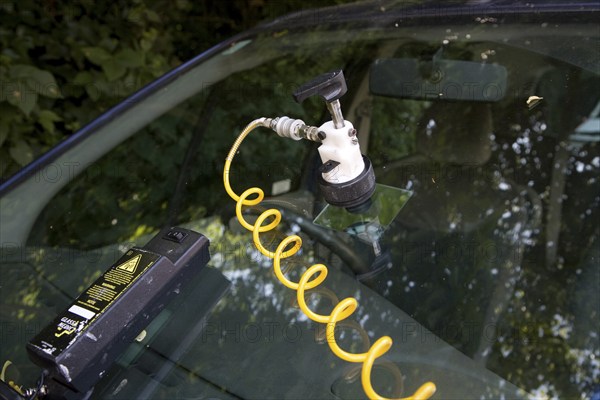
[(355, 194), (369, 219)]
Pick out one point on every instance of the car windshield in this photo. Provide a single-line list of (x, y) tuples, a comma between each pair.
[(486, 278)]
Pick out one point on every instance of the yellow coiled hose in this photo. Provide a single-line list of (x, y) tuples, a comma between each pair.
[(287, 248)]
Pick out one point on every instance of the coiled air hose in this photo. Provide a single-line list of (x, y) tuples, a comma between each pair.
[(287, 248)]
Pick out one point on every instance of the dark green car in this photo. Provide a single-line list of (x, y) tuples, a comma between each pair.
[(487, 279)]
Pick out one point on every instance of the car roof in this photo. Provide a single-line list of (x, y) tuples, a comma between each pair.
[(393, 9)]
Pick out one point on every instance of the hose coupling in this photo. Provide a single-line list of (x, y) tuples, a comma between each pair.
[(294, 129)]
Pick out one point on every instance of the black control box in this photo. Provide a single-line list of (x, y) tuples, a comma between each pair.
[(82, 342)]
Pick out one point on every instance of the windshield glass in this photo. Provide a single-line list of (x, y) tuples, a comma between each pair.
[(486, 279)]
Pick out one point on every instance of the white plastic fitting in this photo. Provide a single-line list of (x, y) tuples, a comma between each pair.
[(341, 145)]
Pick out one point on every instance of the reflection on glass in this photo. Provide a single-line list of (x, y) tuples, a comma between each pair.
[(495, 256), (369, 225)]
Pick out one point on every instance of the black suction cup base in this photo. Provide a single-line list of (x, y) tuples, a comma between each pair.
[(361, 208), (354, 195)]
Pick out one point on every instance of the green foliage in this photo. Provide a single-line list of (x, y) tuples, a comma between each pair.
[(64, 63), (171, 170), (61, 67)]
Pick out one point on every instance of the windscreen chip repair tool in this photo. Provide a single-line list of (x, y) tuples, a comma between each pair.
[(347, 178), (347, 183), (80, 344)]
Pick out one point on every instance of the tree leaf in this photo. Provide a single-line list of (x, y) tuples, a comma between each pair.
[(3, 132), (96, 55), (113, 70), (19, 71), (93, 92), (148, 38), (43, 83), (40, 81), (28, 103), (21, 152), (152, 16), (47, 118), (23, 98), (83, 78), (130, 58), (146, 44)]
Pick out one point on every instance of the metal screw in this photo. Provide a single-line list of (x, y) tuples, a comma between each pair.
[(321, 135)]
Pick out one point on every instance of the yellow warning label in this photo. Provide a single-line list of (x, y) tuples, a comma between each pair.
[(131, 264), (91, 304), (64, 332)]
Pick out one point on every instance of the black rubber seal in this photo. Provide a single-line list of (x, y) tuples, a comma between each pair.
[(351, 194)]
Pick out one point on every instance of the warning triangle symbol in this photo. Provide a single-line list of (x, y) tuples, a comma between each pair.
[(131, 264)]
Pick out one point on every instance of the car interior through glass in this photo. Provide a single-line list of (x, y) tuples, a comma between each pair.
[(485, 276)]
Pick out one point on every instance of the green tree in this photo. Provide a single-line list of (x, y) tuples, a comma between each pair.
[(64, 63)]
